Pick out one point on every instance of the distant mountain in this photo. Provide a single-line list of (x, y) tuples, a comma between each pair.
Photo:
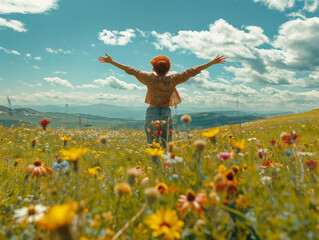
[(138, 112), (30, 116), (98, 120)]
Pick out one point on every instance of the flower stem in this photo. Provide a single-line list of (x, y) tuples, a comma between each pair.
[(119, 233), (302, 171)]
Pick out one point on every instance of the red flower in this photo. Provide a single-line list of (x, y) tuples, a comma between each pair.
[(159, 132), (44, 123), (311, 164), (289, 138), (261, 155), (272, 141), (267, 163), (171, 131)]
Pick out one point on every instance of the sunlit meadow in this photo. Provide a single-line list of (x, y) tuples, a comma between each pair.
[(257, 180)]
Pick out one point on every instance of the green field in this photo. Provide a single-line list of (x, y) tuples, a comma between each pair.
[(268, 189)]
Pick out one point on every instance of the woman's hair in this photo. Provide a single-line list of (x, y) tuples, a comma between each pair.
[(161, 65)]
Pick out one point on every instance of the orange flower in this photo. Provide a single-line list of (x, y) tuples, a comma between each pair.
[(192, 201), (226, 182), (37, 169)]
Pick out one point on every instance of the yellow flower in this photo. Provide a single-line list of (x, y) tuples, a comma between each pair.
[(239, 145), (221, 169), (119, 171), (58, 216), (93, 171), (66, 139), (155, 152), (73, 154), (161, 187), (165, 222), (211, 133)]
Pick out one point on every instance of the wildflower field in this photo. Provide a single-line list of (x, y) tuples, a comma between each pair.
[(257, 180)]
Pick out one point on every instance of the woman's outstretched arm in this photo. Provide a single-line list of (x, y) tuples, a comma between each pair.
[(141, 76), (217, 59), (108, 59), (192, 72)]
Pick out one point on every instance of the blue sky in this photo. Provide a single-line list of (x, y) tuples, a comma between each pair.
[(49, 51)]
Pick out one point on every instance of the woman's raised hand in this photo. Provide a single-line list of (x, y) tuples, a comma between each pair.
[(106, 59), (219, 59)]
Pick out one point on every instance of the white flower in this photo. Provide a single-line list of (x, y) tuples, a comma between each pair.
[(29, 214), (309, 154), (266, 179), (263, 150), (252, 139), (170, 158)]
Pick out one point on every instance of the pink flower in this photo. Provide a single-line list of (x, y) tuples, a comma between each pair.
[(144, 180), (192, 201), (224, 156)]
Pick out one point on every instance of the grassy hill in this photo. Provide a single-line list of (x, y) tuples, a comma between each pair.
[(267, 187)]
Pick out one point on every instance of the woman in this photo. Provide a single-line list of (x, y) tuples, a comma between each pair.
[(161, 93)]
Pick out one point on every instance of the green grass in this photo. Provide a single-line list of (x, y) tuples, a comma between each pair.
[(282, 208)]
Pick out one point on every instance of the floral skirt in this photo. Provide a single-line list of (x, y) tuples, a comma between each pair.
[(157, 126)]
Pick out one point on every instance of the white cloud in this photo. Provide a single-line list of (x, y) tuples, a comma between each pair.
[(298, 40), (73, 97), (36, 67), (37, 58), (14, 24), (59, 81), (59, 72), (287, 96), (113, 82), (142, 33), (60, 50), (10, 51), (32, 85), (220, 38), (88, 86), (202, 81), (282, 5), (116, 37), (311, 81), (92, 45), (272, 75), (27, 6), (28, 55), (1, 78), (293, 49), (311, 5)]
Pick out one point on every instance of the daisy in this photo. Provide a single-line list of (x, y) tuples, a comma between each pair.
[(171, 158), (29, 214)]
